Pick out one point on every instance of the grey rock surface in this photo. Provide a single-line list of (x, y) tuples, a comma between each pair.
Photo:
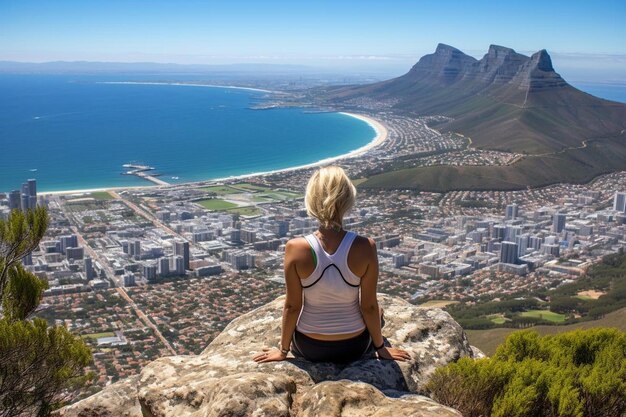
[(223, 379)]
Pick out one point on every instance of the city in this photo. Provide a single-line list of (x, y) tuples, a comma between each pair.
[(148, 272)]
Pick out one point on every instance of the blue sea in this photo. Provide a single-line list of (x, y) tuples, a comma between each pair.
[(72, 132), (76, 132)]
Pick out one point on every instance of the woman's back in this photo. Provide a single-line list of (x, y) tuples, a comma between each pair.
[(331, 291)]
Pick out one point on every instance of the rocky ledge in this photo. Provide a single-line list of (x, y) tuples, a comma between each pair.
[(224, 381)]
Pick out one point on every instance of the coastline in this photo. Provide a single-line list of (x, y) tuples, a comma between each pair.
[(379, 138), (233, 87)]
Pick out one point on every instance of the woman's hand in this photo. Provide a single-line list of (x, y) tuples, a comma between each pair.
[(269, 355), (393, 354)]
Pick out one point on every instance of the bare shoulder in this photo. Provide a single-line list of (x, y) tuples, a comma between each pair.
[(364, 246), (297, 243), (297, 247)]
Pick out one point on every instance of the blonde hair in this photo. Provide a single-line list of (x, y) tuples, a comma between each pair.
[(329, 195)]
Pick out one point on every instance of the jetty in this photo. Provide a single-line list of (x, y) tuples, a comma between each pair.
[(143, 171)]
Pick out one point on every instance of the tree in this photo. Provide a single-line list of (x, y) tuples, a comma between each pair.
[(573, 374), (39, 364)]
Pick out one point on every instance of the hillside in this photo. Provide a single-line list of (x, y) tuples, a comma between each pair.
[(488, 340), (505, 101)]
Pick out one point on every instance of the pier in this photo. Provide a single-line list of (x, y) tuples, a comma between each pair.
[(143, 171)]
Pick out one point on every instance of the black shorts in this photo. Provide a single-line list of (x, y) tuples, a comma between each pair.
[(338, 351)]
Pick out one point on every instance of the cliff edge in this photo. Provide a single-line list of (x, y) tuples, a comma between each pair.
[(224, 381)]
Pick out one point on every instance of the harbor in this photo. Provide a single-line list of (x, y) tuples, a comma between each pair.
[(144, 171)]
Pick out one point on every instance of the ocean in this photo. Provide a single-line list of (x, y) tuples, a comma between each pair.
[(73, 132)]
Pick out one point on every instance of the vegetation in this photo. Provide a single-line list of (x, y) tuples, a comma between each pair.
[(488, 340), (38, 363), (606, 280), (574, 374), (220, 189), (531, 170), (476, 204), (544, 315), (246, 211), (216, 204), (101, 195)]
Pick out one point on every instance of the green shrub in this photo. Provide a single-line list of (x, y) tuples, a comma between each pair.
[(39, 364), (575, 374)]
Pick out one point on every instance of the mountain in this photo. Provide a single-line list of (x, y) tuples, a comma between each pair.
[(509, 102), (505, 101)]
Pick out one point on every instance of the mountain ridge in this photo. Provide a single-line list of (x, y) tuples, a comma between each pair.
[(509, 102)]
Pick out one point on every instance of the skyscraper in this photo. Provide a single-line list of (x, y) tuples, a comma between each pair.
[(25, 202), (522, 243), (137, 249), (511, 211), (15, 200), (90, 273), (508, 252), (69, 241), (178, 265), (558, 222), (163, 267), (32, 187), (181, 248), (619, 201)]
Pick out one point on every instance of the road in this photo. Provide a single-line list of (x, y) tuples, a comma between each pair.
[(146, 215), (111, 274)]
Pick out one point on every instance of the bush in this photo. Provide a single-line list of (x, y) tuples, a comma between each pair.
[(575, 374), (39, 365)]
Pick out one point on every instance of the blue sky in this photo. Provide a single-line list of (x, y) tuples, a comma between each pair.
[(388, 35)]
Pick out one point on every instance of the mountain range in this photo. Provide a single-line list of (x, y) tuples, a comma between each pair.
[(510, 102)]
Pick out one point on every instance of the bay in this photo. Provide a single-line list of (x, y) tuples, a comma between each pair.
[(76, 132)]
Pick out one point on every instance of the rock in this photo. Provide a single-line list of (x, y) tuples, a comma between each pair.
[(477, 353), (223, 379), (347, 398), (117, 400)]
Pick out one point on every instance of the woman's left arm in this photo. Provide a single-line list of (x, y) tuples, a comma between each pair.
[(291, 310)]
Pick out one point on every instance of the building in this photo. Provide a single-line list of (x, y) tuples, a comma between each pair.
[(558, 222), (129, 280), (429, 269), (31, 186), (137, 249), (177, 266), (75, 253), (522, 243), (512, 232), (90, 273), (15, 201), (25, 205), (150, 272), (552, 249), (508, 252), (248, 236), (181, 248), (69, 241), (512, 211), (619, 201), (205, 271), (163, 267)]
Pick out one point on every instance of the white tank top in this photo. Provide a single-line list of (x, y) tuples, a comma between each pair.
[(331, 293)]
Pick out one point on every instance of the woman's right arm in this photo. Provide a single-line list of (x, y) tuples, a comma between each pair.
[(370, 310)]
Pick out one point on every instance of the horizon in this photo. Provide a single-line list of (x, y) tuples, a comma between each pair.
[(584, 42)]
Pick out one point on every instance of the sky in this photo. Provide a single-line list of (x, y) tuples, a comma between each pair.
[(585, 39)]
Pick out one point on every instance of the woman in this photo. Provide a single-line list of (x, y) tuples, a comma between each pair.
[(324, 319)]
